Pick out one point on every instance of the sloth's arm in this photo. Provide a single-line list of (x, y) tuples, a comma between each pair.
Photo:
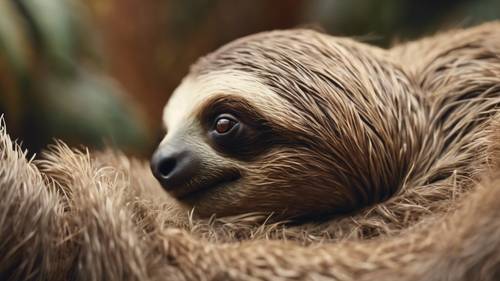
[(465, 245)]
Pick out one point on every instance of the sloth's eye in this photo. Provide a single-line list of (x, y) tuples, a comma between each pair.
[(225, 123), (236, 134)]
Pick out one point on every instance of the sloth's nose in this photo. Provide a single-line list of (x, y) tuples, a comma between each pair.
[(174, 168)]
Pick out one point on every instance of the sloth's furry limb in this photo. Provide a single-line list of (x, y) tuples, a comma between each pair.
[(74, 217)]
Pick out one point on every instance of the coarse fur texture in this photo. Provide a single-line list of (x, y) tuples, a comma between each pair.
[(82, 216), (334, 116), (341, 119)]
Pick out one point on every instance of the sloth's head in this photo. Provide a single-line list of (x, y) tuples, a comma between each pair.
[(291, 122)]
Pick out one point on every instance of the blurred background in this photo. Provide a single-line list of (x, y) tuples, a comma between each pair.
[(98, 72)]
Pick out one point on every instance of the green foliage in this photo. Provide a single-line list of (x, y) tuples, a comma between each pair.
[(52, 84)]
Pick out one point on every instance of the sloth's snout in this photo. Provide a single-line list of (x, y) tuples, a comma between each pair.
[(174, 167)]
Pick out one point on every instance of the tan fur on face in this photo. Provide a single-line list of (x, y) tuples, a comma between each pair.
[(194, 90)]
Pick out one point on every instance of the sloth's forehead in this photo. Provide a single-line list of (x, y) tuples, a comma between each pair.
[(194, 91)]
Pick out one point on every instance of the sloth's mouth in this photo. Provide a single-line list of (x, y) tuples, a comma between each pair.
[(196, 190)]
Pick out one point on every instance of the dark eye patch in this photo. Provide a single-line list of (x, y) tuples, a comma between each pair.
[(238, 107), (256, 134)]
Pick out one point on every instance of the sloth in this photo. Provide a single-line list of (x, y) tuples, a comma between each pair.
[(301, 124), (75, 215)]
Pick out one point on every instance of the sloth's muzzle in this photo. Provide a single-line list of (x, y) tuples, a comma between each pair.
[(174, 167)]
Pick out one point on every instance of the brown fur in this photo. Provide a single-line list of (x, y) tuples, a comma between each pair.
[(103, 217), (340, 115), (348, 119)]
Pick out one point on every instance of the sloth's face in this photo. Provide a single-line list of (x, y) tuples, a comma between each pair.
[(228, 149), (295, 123)]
